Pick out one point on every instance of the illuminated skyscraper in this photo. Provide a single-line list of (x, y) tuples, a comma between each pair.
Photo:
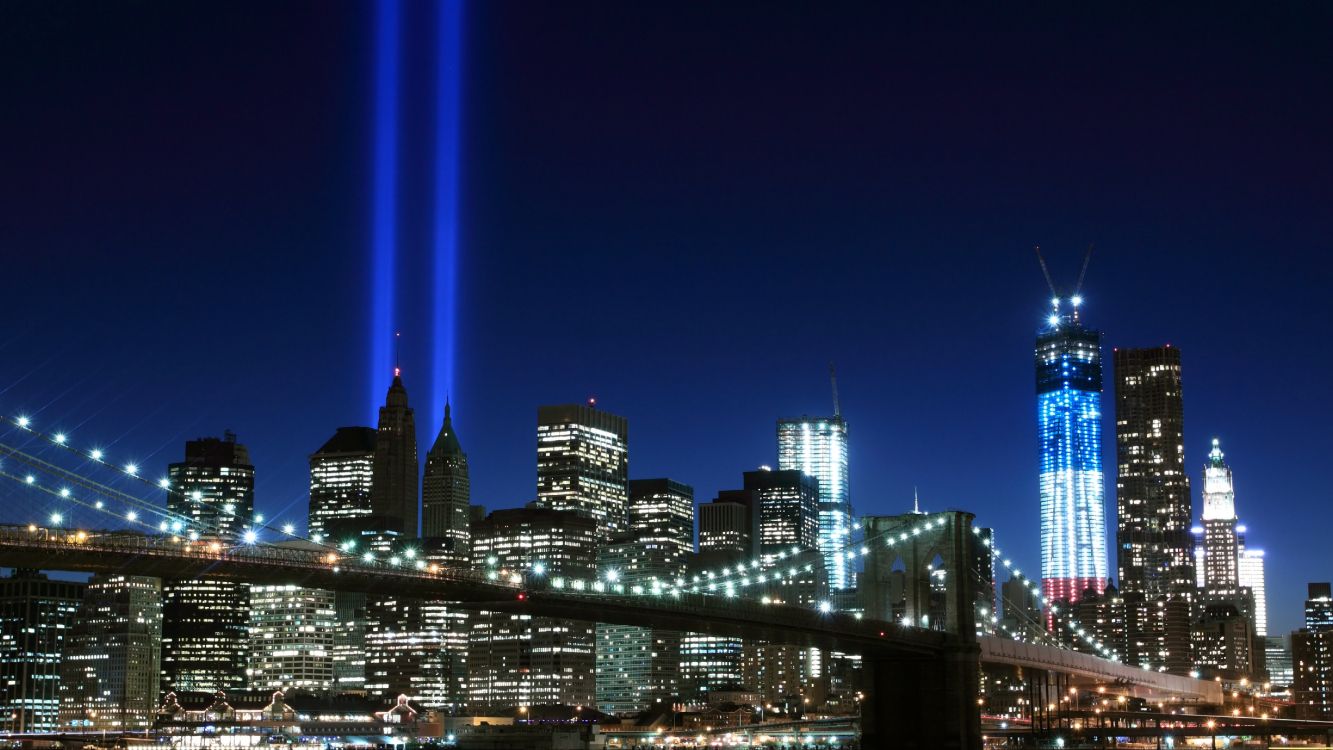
[(1069, 432), (788, 505), (36, 617), (1153, 545), (638, 667), (205, 621), (518, 660), (1221, 540), (583, 464), (1252, 578), (341, 476), (445, 497), (393, 493), (818, 446), (340, 480), (291, 638), (109, 677)]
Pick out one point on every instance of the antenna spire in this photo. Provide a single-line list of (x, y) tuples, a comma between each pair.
[(833, 380), (916, 502), (397, 353)]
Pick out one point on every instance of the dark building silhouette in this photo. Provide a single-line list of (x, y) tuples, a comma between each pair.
[(446, 493), (393, 493), (1154, 549), (36, 615)]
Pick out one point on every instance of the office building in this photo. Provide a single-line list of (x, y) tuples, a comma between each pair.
[(788, 505), (349, 642), (1153, 545), (36, 617), (583, 464), (109, 677), (817, 446), (1277, 660), (1224, 643), (517, 660), (393, 492), (730, 523), (291, 638), (205, 622), (1068, 362), (1319, 607), (417, 648), (638, 667), (340, 482), (1251, 575), (1221, 542), (446, 494)]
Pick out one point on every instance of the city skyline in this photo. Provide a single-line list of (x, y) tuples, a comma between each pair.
[(1207, 237)]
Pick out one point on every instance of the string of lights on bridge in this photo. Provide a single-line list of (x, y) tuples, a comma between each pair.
[(726, 580)]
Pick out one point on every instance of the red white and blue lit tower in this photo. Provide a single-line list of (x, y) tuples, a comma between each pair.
[(1069, 434)]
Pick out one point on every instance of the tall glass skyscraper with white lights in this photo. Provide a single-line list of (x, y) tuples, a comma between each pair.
[(1068, 362), (818, 446)]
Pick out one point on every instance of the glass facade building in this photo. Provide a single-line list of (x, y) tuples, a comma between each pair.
[(818, 446), (1068, 363), (36, 618), (583, 464)]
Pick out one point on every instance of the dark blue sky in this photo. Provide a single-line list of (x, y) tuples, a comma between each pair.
[(687, 212)]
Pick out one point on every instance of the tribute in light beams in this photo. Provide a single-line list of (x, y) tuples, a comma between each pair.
[(384, 237), (448, 84)]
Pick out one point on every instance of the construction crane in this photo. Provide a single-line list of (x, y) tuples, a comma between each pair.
[(1046, 272), (833, 380)]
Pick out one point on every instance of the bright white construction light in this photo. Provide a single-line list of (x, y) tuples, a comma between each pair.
[(96, 454), (23, 422), (60, 438), (1054, 320), (250, 536), (56, 518), (132, 516), (288, 529), (1055, 301), (132, 469), (1076, 300)]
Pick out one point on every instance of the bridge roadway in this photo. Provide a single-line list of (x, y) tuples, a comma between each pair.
[(173, 557)]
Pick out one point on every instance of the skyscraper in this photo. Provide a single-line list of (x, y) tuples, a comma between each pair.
[(445, 498), (205, 630), (341, 476), (1252, 577), (1312, 655), (788, 505), (1068, 362), (638, 667), (291, 638), (515, 659), (393, 493), (1221, 543), (583, 464), (730, 523), (818, 446), (340, 481), (109, 677), (36, 616), (1153, 545)]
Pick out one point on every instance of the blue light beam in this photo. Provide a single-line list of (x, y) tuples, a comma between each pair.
[(384, 240), (448, 94)]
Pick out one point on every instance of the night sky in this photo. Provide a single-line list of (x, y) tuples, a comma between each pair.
[(687, 211)]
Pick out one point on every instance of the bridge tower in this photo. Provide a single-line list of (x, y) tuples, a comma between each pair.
[(934, 574)]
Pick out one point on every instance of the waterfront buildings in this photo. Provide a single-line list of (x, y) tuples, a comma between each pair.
[(393, 494), (36, 617), (817, 446), (418, 648), (205, 631), (583, 464), (446, 494), (515, 659), (109, 675), (340, 480), (1068, 363), (292, 632)]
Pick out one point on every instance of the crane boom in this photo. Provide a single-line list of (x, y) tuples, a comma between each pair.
[(1045, 271), (1087, 258)]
